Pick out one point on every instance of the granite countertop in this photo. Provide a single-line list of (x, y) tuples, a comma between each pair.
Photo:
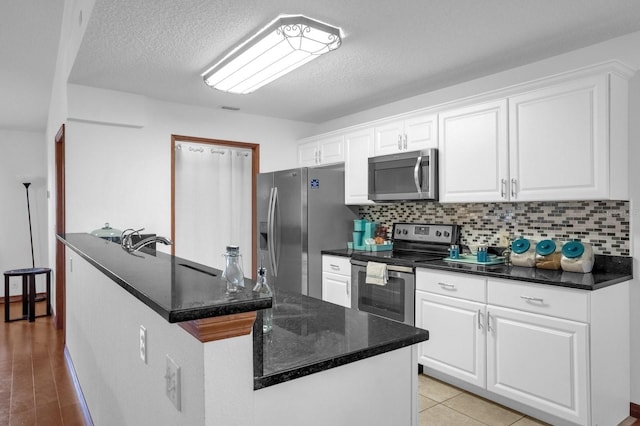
[(607, 270), (176, 288), (310, 335)]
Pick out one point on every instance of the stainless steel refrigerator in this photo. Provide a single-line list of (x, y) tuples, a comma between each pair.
[(301, 212)]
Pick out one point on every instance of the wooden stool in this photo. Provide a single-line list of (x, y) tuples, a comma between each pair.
[(28, 292)]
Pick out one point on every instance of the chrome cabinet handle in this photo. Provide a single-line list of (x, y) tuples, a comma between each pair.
[(399, 142), (405, 141), (447, 286), (514, 188), (489, 321), (503, 188), (479, 319), (348, 284), (334, 267), (532, 299), (318, 156)]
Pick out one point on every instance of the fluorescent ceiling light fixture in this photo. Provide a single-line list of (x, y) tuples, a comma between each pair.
[(282, 46)]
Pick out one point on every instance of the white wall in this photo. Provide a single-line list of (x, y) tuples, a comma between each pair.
[(23, 154), (119, 163)]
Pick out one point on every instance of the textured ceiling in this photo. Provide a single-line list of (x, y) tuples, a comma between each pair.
[(29, 35), (391, 49)]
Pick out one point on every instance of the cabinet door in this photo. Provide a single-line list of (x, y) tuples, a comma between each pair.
[(335, 289), (473, 153), (420, 132), (456, 344), (308, 154), (540, 361), (358, 148), (389, 137), (558, 142), (331, 150)]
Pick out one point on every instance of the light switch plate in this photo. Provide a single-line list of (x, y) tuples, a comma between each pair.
[(172, 377), (143, 344)]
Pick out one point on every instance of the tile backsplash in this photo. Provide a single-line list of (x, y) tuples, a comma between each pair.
[(603, 224)]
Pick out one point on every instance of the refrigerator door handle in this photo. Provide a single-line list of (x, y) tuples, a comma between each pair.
[(271, 223)]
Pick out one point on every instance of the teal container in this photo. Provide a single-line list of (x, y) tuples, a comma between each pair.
[(359, 225)]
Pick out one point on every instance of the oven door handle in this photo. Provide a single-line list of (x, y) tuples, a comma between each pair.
[(399, 269)]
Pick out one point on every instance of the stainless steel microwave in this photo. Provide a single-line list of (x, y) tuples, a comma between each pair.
[(404, 176)]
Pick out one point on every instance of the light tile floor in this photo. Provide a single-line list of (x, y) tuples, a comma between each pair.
[(444, 405)]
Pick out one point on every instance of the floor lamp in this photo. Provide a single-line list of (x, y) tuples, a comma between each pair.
[(26, 187)]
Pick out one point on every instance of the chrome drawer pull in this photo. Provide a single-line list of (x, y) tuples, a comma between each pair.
[(447, 286), (335, 267), (532, 299)]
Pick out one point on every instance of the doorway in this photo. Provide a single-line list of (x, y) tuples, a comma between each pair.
[(60, 274), (213, 189)]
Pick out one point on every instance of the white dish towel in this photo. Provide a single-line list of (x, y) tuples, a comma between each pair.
[(377, 273)]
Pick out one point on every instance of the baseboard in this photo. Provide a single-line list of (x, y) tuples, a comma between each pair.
[(18, 298), (76, 384), (634, 410)]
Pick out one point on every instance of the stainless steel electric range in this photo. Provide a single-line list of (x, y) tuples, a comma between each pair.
[(412, 243)]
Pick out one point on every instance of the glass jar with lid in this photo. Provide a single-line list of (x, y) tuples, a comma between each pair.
[(523, 252), (233, 274), (548, 255), (577, 257)]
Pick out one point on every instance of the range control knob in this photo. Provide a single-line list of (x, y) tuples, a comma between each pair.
[(447, 234), (438, 233), (405, 232)]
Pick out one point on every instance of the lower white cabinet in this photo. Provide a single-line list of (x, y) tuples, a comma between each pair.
[(336, 280), (556, 353)]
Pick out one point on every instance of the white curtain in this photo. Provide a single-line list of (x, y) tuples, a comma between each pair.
[(212, 203)]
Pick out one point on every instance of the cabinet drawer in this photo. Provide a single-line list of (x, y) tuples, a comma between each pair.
[(451, 284), (336, 264), (543, 299)]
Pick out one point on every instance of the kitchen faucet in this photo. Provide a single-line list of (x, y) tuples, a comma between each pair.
[(127, 243)]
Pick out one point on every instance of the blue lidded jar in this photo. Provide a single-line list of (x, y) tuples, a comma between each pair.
[(523, 252), (548, 255)]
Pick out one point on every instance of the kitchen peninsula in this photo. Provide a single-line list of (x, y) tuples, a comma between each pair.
[(139, 322)]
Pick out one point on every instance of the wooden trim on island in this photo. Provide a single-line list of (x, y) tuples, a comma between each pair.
[(218, 328)]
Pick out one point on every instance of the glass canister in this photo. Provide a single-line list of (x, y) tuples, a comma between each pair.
[(548, 255), (577, 257), (233, 274), (523, 252)]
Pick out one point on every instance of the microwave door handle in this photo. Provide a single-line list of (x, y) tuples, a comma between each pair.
[(417, 173)]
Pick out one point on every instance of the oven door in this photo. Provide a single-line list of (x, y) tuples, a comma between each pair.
[(395, 300)]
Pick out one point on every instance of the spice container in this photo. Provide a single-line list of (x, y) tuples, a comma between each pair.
[(577, 257), (482, 254), (454, 251), (523, 253), (548, 255)]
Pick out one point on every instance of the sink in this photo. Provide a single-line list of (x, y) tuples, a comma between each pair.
[(195, 268)]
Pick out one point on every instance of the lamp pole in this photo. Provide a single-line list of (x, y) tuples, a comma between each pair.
[(26, 187)]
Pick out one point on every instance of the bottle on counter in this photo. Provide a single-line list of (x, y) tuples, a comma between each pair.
[(577, 257), (523, 252), (548, 255), (262, 287), (233, 274)]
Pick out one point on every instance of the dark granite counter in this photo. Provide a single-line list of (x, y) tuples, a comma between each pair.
[(310, 335), (176, 288), (607, 270)]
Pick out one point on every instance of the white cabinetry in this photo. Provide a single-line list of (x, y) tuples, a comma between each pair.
[(409, 134), (556, 353), (336, 280), (321, 152), (473, 155), (358, 148), (453, 309), (562, 139)]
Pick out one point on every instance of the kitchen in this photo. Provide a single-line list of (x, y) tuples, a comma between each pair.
[(138, 123)]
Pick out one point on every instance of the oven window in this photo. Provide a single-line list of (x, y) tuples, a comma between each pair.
[(387, 301)]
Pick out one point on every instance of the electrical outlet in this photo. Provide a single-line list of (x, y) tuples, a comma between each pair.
[(504, 239), (143, 344), (172, 377)]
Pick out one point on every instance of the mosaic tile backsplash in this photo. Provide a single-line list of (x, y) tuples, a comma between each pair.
[(603, 224)]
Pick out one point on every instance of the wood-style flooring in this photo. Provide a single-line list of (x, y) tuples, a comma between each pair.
[(35, 385)]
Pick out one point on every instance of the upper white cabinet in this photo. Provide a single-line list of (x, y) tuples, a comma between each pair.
[(358, 148), (473, 155), (409, 134), (321, 152), (559, 140)]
